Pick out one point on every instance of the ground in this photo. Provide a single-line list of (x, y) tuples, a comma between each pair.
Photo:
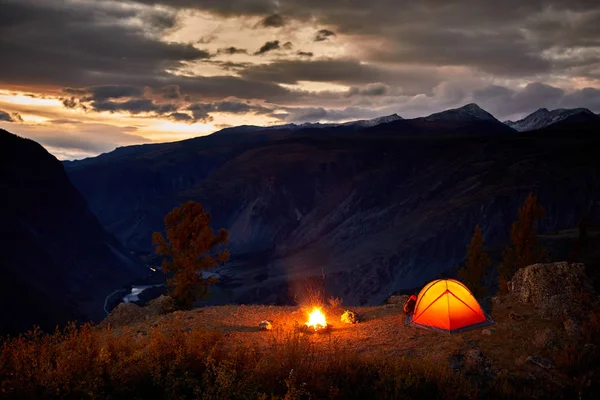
[(503, 348)]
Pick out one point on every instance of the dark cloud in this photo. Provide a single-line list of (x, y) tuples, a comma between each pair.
[(268, 47), (510, 38), (84, 43), (373, 89), (232, 50), (272, 21), (74, 102), (314, 114), (586, 97), (70, 103), (102, 93), (222, 7), (351, 72), (10, 117), (181, 117), (305, 53), (171, 92), (135, 106), (323, 34), (504, 102), (201, 111), (64, 121), (288, 45)]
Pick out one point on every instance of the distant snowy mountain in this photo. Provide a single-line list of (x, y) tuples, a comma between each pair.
[(470, 112), (364, 123), (543, 118), (367, 123)]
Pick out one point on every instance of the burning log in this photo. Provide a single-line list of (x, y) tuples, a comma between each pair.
[(317, 323)]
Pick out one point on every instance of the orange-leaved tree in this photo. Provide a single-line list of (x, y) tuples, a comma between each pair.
[(189, 249), (525, 248), (478, 262)]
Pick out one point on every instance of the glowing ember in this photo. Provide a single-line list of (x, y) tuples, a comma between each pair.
[(316, 319)]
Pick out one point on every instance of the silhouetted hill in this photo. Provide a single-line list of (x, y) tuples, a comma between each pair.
[(377, 209), (56, 261)]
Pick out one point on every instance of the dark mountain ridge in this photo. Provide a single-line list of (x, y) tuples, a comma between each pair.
[(543, 118), (377, 209), (57, 262)]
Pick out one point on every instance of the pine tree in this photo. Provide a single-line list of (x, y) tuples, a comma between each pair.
[(525, 248), (187, 251), (477, 264)]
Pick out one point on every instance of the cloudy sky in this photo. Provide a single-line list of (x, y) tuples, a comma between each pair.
[(85, 76)]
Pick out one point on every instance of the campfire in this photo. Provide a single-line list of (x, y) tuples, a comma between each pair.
[(316, 321)]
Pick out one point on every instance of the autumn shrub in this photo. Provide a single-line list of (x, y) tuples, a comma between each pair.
[(476, 266), (525, 248), (190, 248)]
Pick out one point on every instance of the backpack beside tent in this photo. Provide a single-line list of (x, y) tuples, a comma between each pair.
[(447, 305)]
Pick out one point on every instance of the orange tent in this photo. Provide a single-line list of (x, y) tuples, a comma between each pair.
[(447, 305)]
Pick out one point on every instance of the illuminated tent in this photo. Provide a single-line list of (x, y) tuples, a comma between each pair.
[(447, 305)]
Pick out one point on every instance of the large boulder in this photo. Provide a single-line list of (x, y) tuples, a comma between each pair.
[(559, 289), (397, 300), (129, 313), (161, 305)]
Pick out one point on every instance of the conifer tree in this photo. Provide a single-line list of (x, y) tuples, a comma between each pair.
[(188, 249), (525, 248), (477, 264)]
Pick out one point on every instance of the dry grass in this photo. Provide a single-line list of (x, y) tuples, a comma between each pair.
[(173, 361), (219, 353), (334, 302)]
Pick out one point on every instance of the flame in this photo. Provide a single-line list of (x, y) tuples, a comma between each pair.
[(316, 319)]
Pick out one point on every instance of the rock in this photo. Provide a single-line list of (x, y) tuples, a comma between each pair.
[(397, 300), (265, 325), (486, 332), (556, 288), (349, 317), (540, 361), (123, 314), (128, 313)]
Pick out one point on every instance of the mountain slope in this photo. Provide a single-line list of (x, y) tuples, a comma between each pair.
[(57, 262), (469, 112), (363, 123), (374, 122), (376, 209), (543, 118)]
